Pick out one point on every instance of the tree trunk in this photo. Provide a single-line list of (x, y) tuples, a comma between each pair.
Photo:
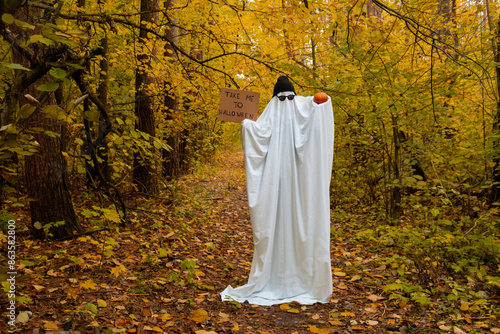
[(495, 194), (172, 159), (395, 191), (373, 10), (45, 175), (102, 94), (144, 175), (45, 171)]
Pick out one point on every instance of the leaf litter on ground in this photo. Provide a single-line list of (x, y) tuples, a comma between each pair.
[(164, 272)]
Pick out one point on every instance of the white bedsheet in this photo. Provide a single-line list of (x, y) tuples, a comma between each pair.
[(288, 159)]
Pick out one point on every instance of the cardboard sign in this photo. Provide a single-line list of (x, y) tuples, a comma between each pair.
[(237, 105)]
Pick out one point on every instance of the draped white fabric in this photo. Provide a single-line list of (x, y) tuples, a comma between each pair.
[(288, 159)]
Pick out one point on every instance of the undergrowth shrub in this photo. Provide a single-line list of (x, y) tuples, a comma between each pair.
[(434, 251)]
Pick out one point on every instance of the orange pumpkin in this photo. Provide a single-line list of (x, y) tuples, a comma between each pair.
[(320, 97)]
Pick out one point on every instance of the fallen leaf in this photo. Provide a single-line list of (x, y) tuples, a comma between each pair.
[(101, 303), (464, 306), (293, 310), (199, 315), (72, 292), (201, 331), (445, 328), (347, 314), (121, 322), (314, 329), (118, 270), (49, 325), (146, 311), (375, 298), (39, 287), (372, 322), (355, 278), (335, 322), (88, 284), (458, 330), (339, 273), (284, 306), (23, 317), (165, 317), (495, 330), (315, 317)]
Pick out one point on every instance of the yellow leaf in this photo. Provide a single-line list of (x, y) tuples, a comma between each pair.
[(165, 317), (335, 322), (355, 278), (339, 273), (236, 327), (464, 306), (157, 329), (284, 306), (133, 317), (88, 284), (49, 325), (347, 314), (199, 315), (314, 329), (118, 270), (101, 303), (292, 310)]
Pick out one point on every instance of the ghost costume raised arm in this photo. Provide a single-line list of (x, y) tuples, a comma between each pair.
[(288, 159)]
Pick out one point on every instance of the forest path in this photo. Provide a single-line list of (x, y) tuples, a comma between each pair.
[(164, 271), (356, 304)]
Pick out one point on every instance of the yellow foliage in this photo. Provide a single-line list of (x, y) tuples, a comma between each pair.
[(199, 315), (88, 284)]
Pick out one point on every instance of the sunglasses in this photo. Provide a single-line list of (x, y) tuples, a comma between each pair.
[(283, 98)]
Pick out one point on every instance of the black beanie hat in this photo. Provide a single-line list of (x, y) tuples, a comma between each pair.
[(283, 85)]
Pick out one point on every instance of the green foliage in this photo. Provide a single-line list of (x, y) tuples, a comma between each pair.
[(47, 227), (4, 219)]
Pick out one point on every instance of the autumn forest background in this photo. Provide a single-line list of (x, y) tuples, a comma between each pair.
[(109, 138)]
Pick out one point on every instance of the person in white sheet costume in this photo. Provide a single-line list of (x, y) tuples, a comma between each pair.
[(288, 159)]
